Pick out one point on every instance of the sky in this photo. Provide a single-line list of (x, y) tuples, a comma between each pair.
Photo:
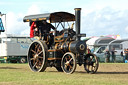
[(98, 17)]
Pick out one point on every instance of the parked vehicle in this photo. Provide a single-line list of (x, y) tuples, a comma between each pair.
[(13, 48), (118, 45)]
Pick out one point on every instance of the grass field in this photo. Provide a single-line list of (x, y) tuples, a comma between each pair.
[(20, 74)]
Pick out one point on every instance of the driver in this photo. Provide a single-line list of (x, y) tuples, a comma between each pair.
[(46, 29)]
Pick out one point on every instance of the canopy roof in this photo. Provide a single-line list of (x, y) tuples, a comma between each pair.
[(52, 17), (103, 40), (118, 41)]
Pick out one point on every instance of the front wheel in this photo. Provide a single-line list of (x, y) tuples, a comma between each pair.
[(91, 63), (68, 63)]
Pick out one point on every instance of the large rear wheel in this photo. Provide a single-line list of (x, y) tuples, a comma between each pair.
[(37, 56), (68, 63)]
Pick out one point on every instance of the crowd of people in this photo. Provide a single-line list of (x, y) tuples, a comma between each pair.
[(108, 53)]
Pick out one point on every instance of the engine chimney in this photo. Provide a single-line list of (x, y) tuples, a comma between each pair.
[(77, 23)]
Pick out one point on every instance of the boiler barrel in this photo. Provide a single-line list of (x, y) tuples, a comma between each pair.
[(78, 47)]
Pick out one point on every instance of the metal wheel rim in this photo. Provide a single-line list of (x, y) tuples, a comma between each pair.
[(68, 63)]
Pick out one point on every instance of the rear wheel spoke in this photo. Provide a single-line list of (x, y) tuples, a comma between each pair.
[(33, 51), (32, 59), (36, 46), (39, 49), (40, 52), (40, 57), (34, 65)]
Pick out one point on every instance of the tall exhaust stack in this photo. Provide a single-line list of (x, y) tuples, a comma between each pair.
[(77, 23)]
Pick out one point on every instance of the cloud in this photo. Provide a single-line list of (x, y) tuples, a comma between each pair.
[(34, 9), (126, 29), (15, 24), (105, 21)]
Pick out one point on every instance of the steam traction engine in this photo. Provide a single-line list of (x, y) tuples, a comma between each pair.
[(66, 51)]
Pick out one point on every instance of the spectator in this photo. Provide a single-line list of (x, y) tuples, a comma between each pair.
[(123, 54), (107, 56), (34, 32), (113, 55), (88, 50), (126, 55), (92, 50)]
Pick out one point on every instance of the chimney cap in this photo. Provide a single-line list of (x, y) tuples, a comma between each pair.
[(77, 9)]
